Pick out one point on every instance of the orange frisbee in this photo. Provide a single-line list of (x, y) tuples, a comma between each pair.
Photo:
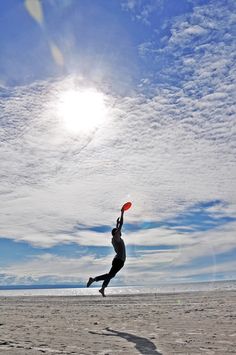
[(126, 206)]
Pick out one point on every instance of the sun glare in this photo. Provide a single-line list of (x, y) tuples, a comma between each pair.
[(82, 111)]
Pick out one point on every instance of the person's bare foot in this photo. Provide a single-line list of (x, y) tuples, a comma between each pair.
[(102, 292), (90, 281)]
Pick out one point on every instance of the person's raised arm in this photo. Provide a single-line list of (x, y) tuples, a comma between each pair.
[(120, 221)]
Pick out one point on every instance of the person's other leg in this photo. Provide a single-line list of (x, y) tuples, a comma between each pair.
[(97, 278), (117, 264)]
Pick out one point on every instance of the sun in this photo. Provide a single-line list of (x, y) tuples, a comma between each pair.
[(81, 111)]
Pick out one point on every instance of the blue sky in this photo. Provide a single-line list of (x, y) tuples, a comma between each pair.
[(160, 76)]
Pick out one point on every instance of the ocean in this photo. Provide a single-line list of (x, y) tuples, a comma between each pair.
[(125, 290)]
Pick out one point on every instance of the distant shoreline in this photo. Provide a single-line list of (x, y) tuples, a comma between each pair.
[(82, 290), (63, 286)]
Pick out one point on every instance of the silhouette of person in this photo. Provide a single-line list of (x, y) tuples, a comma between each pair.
[(119, 259)]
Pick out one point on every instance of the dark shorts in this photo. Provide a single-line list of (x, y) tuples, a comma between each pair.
[(117, 264)]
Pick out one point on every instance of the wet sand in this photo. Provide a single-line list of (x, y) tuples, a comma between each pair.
[(184, 323)]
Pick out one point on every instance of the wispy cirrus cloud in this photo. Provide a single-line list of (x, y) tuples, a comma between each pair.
[(171, 166), (142, 10)]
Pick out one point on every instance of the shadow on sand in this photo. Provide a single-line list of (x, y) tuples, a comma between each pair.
[(143, 345)]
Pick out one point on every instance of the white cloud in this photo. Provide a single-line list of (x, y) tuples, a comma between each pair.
[(176, 265), (130, 4), (160, 153), (148, 267), (185, 33), (51, 268), (141, 10)]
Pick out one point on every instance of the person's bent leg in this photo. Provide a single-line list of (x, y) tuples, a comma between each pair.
[(101, 277), (117, 264), (97, 278)]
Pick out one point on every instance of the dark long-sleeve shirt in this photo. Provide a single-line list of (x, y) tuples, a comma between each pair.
[(119, 247)]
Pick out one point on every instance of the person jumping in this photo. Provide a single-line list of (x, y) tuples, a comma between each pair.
[(119, 259)]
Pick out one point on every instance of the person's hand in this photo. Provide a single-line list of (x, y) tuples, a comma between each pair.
[(118, 220)]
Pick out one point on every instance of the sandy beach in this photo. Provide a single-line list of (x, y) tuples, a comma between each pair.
[(184, 323)]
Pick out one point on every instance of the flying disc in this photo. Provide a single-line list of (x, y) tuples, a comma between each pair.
[(126, 206)]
